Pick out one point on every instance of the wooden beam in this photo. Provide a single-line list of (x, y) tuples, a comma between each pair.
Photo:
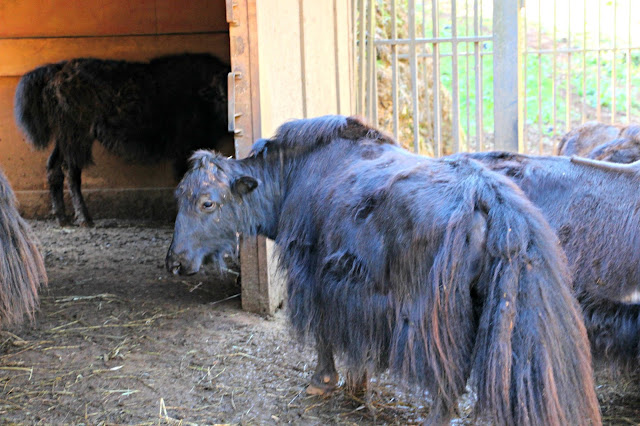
[(22, 55), (64, 18)]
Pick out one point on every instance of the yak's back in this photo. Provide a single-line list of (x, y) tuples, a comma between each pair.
[(607, 142), (142, 111)]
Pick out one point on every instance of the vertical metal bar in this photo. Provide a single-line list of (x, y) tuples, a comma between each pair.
[(584, 63), (481, 32), (521, 44), (567, 124), (505, 71), (371, 62), (437, 131), (540, 134), (478, 77), (613, 62), (598, 107), (352, 59), (303, 58), (554, 69), (414, 75), (629, 68), (455, 95), (466, 56), (394, 68), (525, 62), (424, 67), (361, 40)]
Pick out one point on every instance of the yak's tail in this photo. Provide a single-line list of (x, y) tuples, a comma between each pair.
[(532, 362), (22, 270), (30, 104), (503, 300), (614, 331)]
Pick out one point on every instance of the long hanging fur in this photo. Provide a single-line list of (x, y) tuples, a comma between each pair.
[(441, 271), (32, 107), (22, 271), (594, 208)]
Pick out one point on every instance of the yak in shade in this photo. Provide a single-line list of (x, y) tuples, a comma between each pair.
[(22, 271), (595, 210), (145, 112), (606, 142), (439, 270)]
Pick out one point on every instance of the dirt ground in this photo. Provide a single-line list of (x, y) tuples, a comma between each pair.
[(120, 341)]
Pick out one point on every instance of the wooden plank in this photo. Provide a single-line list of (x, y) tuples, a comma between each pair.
[(281, 75), (189, 16), (22, 55), (343, 48), (63, 18), (320, 60), (262, 287)]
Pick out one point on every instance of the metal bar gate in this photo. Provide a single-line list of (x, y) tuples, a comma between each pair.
[(451, 75)]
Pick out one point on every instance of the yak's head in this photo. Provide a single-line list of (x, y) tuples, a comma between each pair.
[(210, 199)]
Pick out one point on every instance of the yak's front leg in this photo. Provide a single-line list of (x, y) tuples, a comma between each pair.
[(55, 178), (325, 379), (79, 206)]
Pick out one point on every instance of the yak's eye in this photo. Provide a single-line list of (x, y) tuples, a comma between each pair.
[(208, 205)]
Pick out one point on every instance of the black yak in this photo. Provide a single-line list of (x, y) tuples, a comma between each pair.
[(606, 142), (144, 112), (22, 271), (595, 210), (439, 270)]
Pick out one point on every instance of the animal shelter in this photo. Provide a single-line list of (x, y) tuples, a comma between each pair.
[(278, 54), (389, 271)]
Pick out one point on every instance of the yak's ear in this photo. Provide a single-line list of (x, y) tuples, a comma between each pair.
[(244, 185)]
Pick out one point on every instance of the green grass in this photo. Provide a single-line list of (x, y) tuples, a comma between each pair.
[(534, 65)]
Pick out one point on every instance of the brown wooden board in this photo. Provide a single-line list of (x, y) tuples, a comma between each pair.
[(21, 55), (64, 18)]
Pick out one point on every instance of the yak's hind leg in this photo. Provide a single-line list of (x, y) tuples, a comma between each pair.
[(74, 181), (55, 178), (325, 378)]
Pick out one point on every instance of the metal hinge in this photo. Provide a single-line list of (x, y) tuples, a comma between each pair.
[(231, 103), (230, 18)]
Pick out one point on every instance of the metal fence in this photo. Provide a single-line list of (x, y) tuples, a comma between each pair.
[(451, 75), (581, 69)]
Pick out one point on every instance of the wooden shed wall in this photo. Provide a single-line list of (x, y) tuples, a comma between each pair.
[(34, 32), (295, 57), (305, 61)]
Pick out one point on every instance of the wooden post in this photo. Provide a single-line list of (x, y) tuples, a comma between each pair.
[(280, 53), (262, 288), (506, 69)]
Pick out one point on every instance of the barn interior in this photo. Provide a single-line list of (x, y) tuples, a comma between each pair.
[(119, 340), (35, 33)]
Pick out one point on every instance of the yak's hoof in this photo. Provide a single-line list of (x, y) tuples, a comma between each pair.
[(84, 223), (63, 220), (323, 385)]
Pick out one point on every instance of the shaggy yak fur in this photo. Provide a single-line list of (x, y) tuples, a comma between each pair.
[(144, 112), (595, 210), (22, 271), (606, 142), (439, 270)]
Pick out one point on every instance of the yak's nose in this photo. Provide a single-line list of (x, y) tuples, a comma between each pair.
[(174, 268), (172, 263)]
